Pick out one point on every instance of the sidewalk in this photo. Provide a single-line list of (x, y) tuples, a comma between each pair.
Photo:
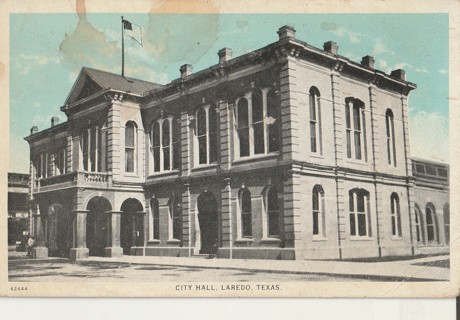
[(406, 270)]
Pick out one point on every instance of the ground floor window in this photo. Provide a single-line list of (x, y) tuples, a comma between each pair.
[(359, 213)]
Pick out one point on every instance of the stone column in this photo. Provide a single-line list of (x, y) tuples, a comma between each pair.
[(441, 229), (186, 219), (79, 250), (227, 233), (40, 250), (113, 248)]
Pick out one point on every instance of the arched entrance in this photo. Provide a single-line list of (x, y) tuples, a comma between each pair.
[(132, 225), (96, 225), (208, 220), (58, 237)]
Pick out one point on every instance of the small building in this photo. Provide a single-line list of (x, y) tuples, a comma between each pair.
[(286, 152)]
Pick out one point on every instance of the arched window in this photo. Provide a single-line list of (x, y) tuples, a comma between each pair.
[(418, 224), (155, 207), (315, 121), (273, 212), (165, 141), (130, 147), (206, 134), (175, 214), (355, 128), (395, 216), (257, 123), (446, 212), (431, 230), (319, 227), (359, 213), (245, 207), (391, 146)]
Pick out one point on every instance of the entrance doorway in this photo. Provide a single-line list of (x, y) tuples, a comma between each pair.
[(58, 236), (132, 225), (96, 225), (207, 218)]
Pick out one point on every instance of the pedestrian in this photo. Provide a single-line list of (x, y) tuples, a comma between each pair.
[(30, 245)]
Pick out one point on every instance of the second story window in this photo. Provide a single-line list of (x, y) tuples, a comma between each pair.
[(257, 119), (315, 121), (93, 148), (60, 161), (391, 146), (355, 128), (41, 166), (130, 147), (207, 135), (165, 144)]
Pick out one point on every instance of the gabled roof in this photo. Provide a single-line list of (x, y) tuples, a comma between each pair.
[(107, 80)]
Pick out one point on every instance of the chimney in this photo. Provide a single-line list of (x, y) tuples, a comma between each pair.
[(286, 32), (54, 121), (224, 54), (368, 61), (185, 70), (331, 47), (400, 74), (33, 130)]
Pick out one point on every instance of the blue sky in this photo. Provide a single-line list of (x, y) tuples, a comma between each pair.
[(47, 52)]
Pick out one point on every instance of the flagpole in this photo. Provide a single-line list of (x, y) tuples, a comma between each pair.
[(122, 49)]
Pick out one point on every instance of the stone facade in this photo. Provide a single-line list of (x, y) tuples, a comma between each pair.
[(288, 152)]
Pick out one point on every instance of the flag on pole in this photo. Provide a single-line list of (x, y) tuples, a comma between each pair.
[(133, 31), (127, 25)]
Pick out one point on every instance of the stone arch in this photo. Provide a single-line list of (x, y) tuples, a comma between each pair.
[(132, 225), (97, 225)]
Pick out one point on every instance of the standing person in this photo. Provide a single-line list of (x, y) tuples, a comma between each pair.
[(30, 245)]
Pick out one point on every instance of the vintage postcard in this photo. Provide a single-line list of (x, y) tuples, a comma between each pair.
[(230, 149)]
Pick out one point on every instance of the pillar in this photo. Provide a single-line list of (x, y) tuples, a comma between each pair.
[(79, 250), (40, 250), (186, 220), (113, 248)]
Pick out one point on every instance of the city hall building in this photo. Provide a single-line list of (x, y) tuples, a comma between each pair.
[(287, 152)]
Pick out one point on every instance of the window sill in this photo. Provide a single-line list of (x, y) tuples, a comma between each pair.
[(355, 238), (131, 175), (316, 155), (154, 241), (173, 241), (164, 173), (258, 157), (355, 161), (204, 167), (319, 238), (270, 240), (244, 240)]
